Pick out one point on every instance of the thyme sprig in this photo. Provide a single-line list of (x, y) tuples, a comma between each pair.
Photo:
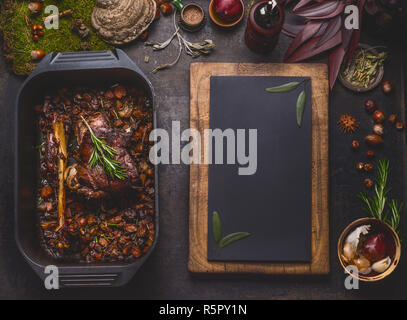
[(375, 205), (103, 155)]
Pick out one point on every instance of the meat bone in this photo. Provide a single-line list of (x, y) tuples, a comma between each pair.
[(59, 133)]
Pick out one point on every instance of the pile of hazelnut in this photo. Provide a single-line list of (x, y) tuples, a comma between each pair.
[(37, 31), (376, 138)]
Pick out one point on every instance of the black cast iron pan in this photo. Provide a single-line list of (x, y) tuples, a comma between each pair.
[(102, 68)]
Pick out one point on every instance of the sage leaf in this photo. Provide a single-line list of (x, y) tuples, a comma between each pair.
[(216, 226), (289, 86), (233, 237), (300, 107)]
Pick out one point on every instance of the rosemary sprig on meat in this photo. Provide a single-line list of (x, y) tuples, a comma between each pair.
[(376, 205), (103, 155)]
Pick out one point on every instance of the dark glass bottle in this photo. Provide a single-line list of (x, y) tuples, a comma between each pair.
[(264, 25)]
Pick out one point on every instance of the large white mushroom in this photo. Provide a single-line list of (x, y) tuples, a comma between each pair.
[(120, 21)]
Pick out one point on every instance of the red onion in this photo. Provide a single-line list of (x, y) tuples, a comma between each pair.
[(228, 10), (374, 248)]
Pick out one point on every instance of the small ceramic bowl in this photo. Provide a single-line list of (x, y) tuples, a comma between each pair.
[(374, 84), (221, 23), (183, 22), (375, 223), (188, 8)]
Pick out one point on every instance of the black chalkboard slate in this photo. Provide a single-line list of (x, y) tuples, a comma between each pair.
[(274, 204)]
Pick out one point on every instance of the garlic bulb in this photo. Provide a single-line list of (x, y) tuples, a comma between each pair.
[(349, 252), (363, 265), (353, 238), (382, 265)]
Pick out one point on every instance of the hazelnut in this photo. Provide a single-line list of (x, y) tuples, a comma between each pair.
[(83, 222), (37, 54), (354, 145), (144, 36), (48, 206), (119, 92), (392, 118), (368, 167), (379, 116), (157, 14), (387, 86), (368, 183), (378, 129), (34, 7), (370, 105), (360, 166), (166, 8), (399, 125), (136, 252), (374, 139), (46, 192), (370, 154), (36, 37)]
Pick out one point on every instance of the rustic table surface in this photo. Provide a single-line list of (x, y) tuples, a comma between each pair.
[(165, 275)]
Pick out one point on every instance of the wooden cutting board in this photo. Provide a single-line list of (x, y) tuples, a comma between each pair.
[(200, 74)]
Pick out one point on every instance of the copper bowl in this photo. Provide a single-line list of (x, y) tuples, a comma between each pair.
[(389, 230), (221, 23)]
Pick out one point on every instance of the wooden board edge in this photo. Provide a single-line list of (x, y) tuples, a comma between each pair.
[(197, 262)]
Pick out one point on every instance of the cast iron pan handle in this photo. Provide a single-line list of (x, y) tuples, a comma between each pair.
[(59, 61), (91, 276)]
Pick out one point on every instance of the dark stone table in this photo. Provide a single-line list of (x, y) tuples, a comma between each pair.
[(165, 275)]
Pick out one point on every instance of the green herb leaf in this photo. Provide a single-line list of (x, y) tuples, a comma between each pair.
[(289, 86), (216, 226), (375, 205), (233, 237), (300, 107), (103, 156)]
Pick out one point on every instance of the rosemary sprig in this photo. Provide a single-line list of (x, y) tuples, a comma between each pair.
[(375, 205), (394, 220), (103, 155)]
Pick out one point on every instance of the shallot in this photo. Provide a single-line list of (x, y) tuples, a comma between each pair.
[(374, 248)]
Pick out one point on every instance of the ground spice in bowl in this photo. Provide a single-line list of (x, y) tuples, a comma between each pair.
[(192, 15)]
